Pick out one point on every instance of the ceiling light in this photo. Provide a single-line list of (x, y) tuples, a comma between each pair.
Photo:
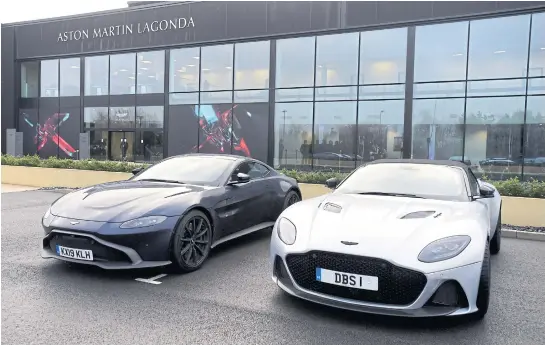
[(499, 51), (228, 67), (459, 54), (74, 66), (122, 70), (145, 61), (196, 57), (320, 66), (151, 76), (206, 69), (181, 71), (131, 77), (542, 48), (144, 68), (190, 65)]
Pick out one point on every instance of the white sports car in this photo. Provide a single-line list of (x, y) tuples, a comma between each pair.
[(396, 237)]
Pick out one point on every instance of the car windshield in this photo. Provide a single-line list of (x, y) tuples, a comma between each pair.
[(416, 180), (198, 170)]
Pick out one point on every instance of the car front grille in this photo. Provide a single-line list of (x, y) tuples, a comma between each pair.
[(100, 251), (396, 285)]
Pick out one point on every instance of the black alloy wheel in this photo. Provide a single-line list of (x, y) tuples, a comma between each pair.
[(192, 241), (291, 198)]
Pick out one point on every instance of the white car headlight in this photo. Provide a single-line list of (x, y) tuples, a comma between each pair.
[(143, 222), (47, 213), (444, 249), (286, 231), (47, 218)]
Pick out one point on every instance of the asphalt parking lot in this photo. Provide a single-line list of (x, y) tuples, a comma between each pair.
[(231, 300)]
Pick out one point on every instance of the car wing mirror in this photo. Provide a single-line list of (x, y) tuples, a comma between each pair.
[(240, 178), (332, 183), (485, 192), (137, 170)]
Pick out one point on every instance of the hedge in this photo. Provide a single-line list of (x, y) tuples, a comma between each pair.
[(510, 187)]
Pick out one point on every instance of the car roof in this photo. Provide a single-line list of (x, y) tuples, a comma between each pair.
[(447, 163), (213, 155)]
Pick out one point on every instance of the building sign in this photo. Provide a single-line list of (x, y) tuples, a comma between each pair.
[(126, 29)]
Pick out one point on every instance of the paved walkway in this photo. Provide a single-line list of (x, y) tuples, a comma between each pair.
[(9, 188)]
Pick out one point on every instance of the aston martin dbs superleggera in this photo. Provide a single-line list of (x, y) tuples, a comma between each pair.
[(173, 212), (396, 237)]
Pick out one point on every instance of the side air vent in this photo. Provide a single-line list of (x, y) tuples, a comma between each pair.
[(417, 215)]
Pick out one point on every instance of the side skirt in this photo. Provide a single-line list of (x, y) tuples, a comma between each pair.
[(243, 233)]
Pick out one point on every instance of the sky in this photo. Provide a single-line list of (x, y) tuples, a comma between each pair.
[(23, 10)]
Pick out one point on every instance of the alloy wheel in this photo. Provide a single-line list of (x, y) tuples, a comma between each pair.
[(195, 237)]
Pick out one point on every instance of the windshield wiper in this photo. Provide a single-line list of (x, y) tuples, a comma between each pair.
[(161, 180), (392, 194)]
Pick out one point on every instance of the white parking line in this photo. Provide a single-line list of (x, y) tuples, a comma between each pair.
[(152, 280)]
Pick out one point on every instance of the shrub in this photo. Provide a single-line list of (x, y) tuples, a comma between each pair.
[(510, 187)]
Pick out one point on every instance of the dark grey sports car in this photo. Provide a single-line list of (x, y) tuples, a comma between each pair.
[(173, 212)]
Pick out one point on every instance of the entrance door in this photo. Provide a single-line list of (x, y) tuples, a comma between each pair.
[(121, 146)]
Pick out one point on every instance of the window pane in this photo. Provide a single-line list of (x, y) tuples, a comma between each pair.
[(297, 95), (121, 117), (440, 52), (251, 96), (252, 65), (184, 70), (383, 63), (536, 86), (295, 62), (96, 75), (217, 97), (343, 93), (509, 87), (149, 117), (537, 46), (292, 135), (95, 118), (122, 74), (70, 77), (380, 130), (98, 141), (382, 92), (493, 135), (29, 79), (498, 48), (337, 60), (184, 98), (534, 142), (49, 78), (434, 90), (334, 135), (438, 129), (217, 68), (151, 72), (149, 146)]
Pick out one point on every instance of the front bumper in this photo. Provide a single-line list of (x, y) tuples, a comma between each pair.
[(113, 248), (464, 277)]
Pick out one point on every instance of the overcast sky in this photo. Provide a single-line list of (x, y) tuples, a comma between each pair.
[(22, 10)]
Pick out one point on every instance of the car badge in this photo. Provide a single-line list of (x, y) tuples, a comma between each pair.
[(348, 243), (74, 223)]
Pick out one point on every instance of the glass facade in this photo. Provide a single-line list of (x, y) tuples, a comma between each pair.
[(470, 90)]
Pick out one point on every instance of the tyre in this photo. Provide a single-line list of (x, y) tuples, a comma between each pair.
[(495, 243), (291, 198), (483, 295), (191, 242)]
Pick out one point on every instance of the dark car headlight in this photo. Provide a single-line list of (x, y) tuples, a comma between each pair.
[(444, 249), (287, 232), (143, 222)]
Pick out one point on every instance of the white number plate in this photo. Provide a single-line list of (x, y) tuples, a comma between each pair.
[(80, 254), (347, 279)]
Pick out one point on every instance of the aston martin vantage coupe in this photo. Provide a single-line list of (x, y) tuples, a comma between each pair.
[(395, 237), (173, 212)]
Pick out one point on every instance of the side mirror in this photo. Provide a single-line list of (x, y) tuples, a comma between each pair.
[(332, 183), (241, 178), (136, 170), (485, 192)]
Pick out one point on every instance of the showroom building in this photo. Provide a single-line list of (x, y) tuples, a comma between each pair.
[(303, 85)]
